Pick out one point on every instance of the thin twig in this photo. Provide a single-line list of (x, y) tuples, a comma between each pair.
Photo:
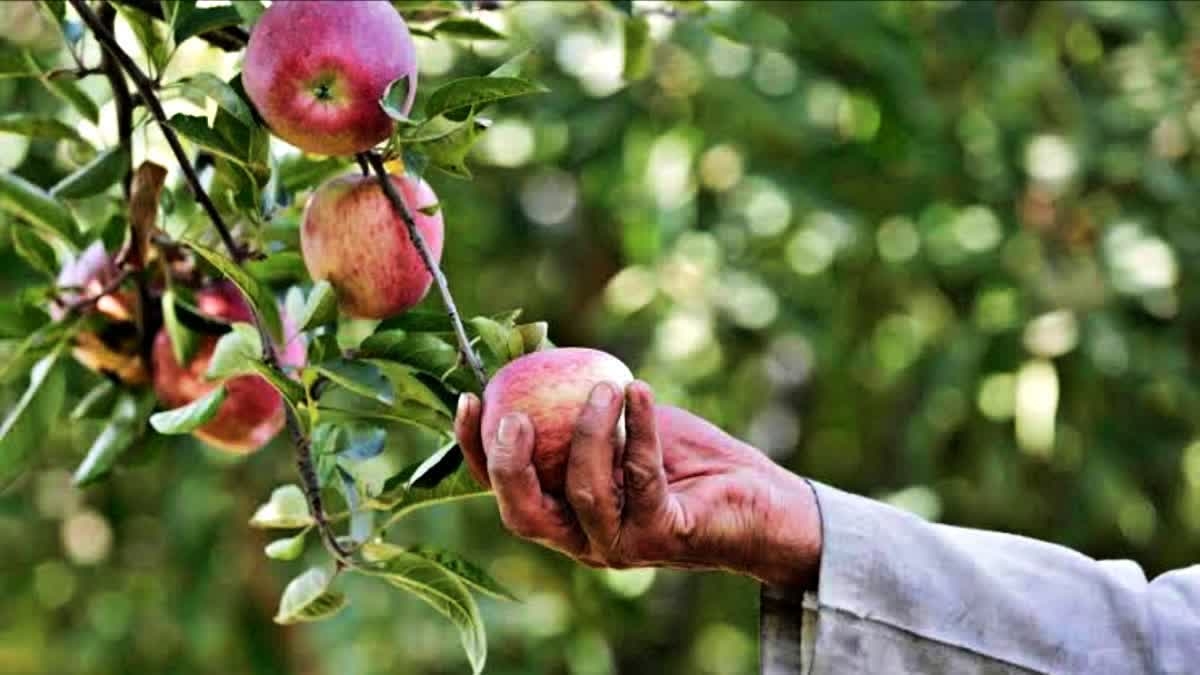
[(120, 90), (86, 303), (146, 88), (439, 279)]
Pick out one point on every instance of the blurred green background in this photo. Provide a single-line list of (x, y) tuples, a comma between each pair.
[(932, 252)]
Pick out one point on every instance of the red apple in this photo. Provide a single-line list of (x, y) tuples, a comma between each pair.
[(113, 348), (316, 69), (552, 388), (252, 413), (353, 238)]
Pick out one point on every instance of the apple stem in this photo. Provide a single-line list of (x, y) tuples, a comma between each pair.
[(146, 88), (460, 332)]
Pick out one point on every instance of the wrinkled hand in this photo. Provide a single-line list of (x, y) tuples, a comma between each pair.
[(681, 493)]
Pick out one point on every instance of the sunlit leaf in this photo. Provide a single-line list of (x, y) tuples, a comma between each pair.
[(211, 86), (191, 416), (40, 126), (288, 548), (21, 430), (260, 299), (93, 178), (359, 377), (308, 598), (36, 206), (320, 309), (236, 353), (125, 426), (205, 19), (287, 509), (465, 94)]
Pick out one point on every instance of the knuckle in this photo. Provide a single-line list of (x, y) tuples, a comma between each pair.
[(640, 477), (581, 497)]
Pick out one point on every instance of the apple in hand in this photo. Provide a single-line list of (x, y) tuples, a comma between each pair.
[(113, 347), (252, 413), (316, 69), (552, 388), (353, 238)]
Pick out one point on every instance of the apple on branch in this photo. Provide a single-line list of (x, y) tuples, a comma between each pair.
[(316, 69), (252, 412)]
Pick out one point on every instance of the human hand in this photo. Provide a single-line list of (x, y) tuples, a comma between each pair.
[(681, 493)]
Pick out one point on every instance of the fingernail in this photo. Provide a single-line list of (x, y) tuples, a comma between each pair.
[(463, 404), (601, 397), (510, 427)]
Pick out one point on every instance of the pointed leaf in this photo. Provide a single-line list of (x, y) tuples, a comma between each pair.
[(513, 66), (467, 571), (205, 19), (211, 86), (96, 403), (260, 299), (359, 377), (437, 588), (278, 268), (467, 29), (406, 499), (126, 425), (183, 341), (95, 177), (320, 309), (287, 509), (74, 96), (190, 417), (464, 94), (236, 353), (24, 423), (308, 598), (288, 548), (250, 10), (639, 48), (33, 204), (195, 128), (39, 126)]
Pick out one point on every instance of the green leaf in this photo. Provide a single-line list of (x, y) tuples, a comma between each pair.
[(639, 48), (236, 353), (36, 206), (361, 443), (397, 99), (290, 389), (40, 126), (467, 29), (250, 11), (150, 36), (513, 66), (287, 509), (205, 19), (260, 299), (93, 178), (288, 548), (70, 93), (436, 587), (190, 417), (405, 499), (34, 250), (359, 377), (466, 571), (49, 337), (418, 321), (125, 426), (195, 128), (402, 412), (449, 153), (468, 93), (183, 341), (422, 473), (320, 309), (298, 172), (623, 6), (534, 337), (211, 86), (429, 130), (96, 403), (279, 268), (24, 426), (308, 598), (410, 388), (422, 351), (495, 338)]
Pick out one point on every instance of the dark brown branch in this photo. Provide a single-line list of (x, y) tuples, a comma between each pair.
[(308, 477), (146, 88), (439, 279), (120, 91), (230, 38)]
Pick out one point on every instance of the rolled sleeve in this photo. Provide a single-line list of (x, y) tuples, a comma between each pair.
[(900, 595)]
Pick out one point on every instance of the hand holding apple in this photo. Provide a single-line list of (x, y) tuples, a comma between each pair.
[(677, 493)]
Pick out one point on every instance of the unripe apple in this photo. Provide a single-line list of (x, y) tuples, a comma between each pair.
[(316, 69), (552, 388), (113, 348), (352, 237), (252, 413)]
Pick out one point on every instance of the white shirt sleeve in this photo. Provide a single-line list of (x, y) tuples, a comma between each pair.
[(900, 595)]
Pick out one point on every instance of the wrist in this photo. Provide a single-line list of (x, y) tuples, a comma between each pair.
[(787, 550)]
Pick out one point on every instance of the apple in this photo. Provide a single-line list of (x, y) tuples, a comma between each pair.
[(316, 69), (351, 237), (252, 413), (552, 388), (113, 348)]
